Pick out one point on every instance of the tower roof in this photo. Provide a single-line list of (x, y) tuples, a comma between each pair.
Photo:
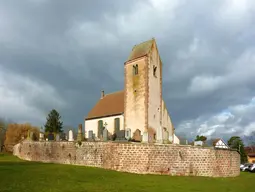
[(141, 49)]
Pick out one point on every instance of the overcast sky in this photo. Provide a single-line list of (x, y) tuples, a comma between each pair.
[(61, 53)]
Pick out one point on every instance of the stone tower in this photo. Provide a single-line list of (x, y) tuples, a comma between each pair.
[(143, 90)]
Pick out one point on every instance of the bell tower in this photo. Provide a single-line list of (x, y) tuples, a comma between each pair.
[(143, 90)]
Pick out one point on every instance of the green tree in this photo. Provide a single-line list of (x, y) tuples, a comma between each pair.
[(2, 133), (236, 142), (53, 123), (201, 138)]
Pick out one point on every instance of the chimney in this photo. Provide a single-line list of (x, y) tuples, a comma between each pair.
[(102, 94)]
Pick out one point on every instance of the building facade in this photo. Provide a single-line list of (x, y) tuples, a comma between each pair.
[(139, 107)]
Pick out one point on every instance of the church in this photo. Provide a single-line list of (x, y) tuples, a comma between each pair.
[(139, 109)]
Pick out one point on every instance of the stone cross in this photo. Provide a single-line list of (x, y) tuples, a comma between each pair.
[(70, 135)]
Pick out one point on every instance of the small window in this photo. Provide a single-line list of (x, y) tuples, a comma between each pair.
[(154, 71), (135, 69)]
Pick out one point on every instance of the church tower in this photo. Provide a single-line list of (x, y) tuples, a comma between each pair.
[(143, 91)]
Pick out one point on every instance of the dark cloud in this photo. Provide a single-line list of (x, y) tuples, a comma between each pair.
[(69, 51)]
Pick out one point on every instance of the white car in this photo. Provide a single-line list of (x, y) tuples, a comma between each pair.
[(245, 167), (252, 168)]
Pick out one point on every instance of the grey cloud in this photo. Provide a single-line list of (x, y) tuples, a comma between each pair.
[(79, 48)]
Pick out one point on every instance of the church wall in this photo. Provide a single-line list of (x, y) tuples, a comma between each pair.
[(166, 121), (154, 90), (92, 125), (135, 96), (136, 157)]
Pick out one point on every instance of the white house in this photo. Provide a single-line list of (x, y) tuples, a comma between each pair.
[(219, 143)]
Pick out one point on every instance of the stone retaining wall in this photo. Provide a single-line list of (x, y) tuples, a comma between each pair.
[(136, 157)]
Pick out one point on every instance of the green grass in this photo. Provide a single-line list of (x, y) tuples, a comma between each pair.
[(22, 176)]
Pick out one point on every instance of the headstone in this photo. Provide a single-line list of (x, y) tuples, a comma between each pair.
[(145, 138), (105, 135), (57, 137), (165, 136), (31, 135), (50, 137), (128, 133), (91, 136), (41, 136), (120, 135), (28, 134), (79, 136), (171, 138), (159, 135), (198, 143), (70, 135), (137, 135), (62, 136)]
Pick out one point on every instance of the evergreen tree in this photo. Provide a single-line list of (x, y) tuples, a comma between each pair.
[(53, 124), (236, 142)]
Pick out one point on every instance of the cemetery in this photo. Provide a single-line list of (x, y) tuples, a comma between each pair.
[(121, 154)]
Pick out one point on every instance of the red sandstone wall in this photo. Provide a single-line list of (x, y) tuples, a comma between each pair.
[(136, 157)]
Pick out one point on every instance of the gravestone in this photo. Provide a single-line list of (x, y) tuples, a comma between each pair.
[(70, 135), (79, 136), (120, 135), (31, 135), (145, 137), (50, 137), (171, 138), (128, 133), (165, 136), (105, 135), (137, 135), (57, 137), (198, 143), (62, 136), (91, 136), (159, 135), (41, 137)]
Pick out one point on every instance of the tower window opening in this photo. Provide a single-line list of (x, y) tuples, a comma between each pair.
[(154, 71), (135, 69)]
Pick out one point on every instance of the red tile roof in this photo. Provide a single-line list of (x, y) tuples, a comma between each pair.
[(111, 104)]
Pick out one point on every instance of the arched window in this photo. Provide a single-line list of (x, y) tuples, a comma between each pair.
[(116, 125)]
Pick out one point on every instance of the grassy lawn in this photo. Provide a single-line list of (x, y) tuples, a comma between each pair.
[(22, 176)]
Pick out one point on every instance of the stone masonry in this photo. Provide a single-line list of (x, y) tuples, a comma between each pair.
[(135, 157)]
